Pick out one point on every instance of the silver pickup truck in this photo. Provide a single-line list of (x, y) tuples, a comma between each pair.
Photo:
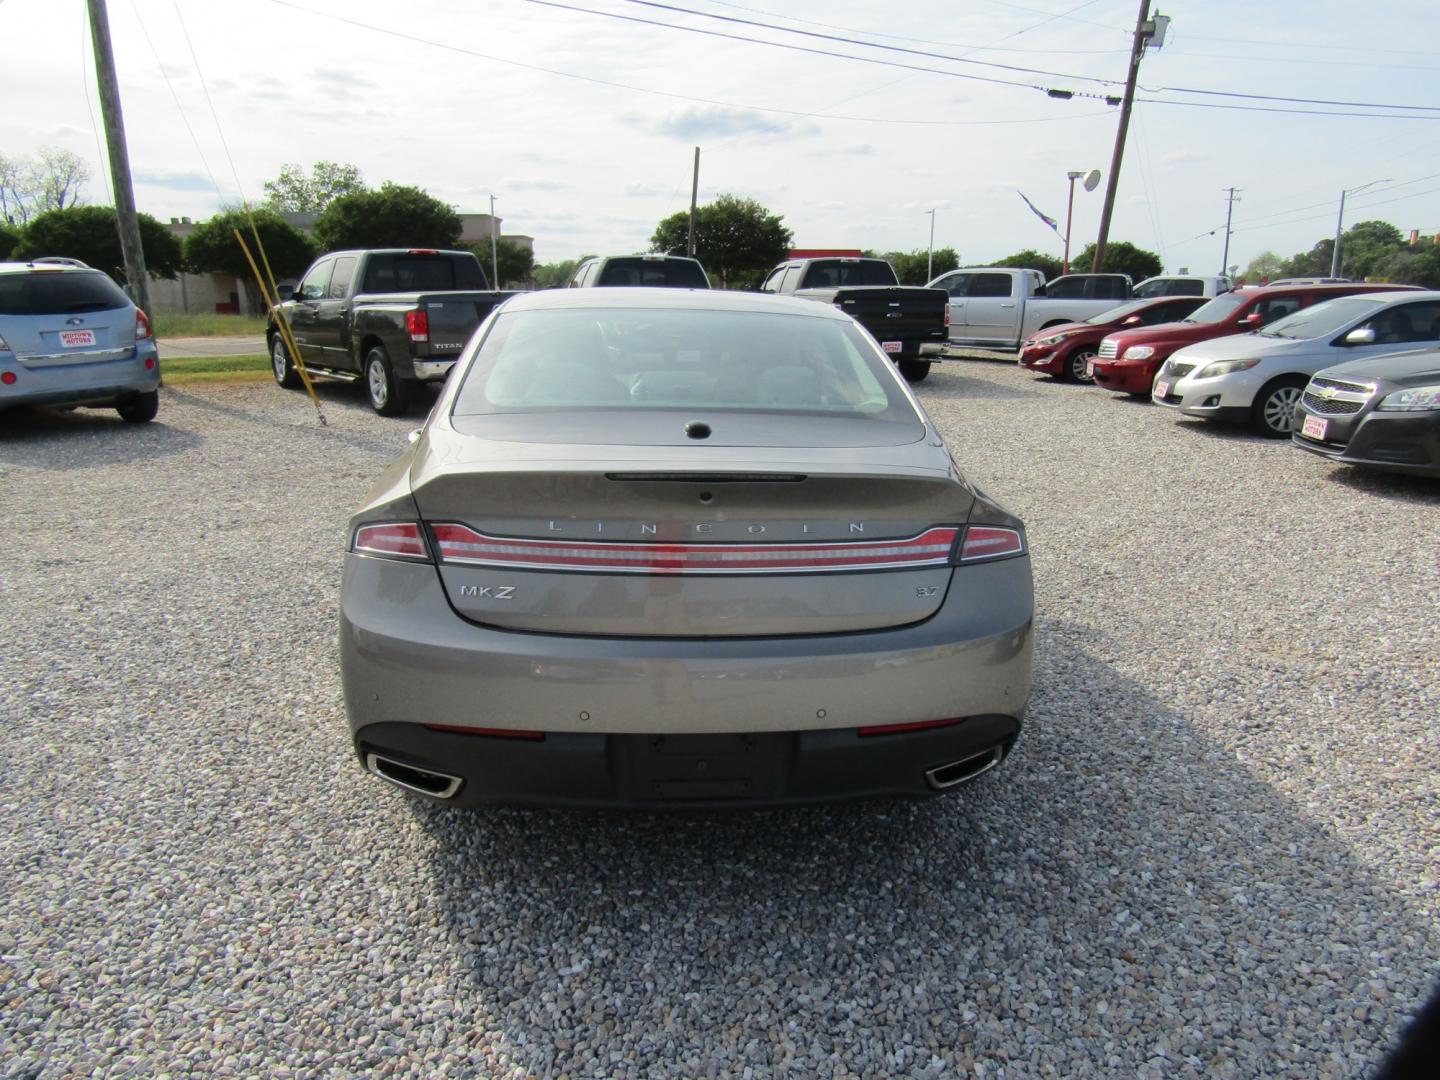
[(999, 307)]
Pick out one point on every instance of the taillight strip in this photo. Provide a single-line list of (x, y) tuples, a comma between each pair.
[(394, 539), (462, 545)]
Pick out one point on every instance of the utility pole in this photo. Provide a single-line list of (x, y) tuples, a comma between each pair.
[(1137, 49), (694, 191), (1229, 210), (126, 220), (494, 257), (930, 251)]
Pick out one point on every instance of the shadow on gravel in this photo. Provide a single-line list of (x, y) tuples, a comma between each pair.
[(39, 438), (1397, 487), (1121, 896), (329, 399)]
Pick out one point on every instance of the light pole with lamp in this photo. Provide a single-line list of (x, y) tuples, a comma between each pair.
[(1090, 181), (930, 251), (1340, 221), (494, 259)]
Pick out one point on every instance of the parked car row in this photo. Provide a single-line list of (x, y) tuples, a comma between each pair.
[(1348, 370)]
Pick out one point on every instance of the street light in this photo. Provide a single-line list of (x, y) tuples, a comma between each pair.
[(930, 251), (1090, 181), (494, 259), (1340, 221)]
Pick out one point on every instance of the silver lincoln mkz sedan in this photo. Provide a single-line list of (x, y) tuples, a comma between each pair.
[(662, 547)]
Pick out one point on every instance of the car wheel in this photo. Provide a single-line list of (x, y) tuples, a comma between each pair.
[(388, 395), (285, 374), (1274, 409), (1075, 363), (915, 370), (139, 408)]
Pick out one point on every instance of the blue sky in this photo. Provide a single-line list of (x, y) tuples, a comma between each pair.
[(583, 124)]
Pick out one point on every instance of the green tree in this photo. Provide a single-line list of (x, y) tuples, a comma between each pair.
[(1121, 257), (736, 240), (1365, 244), (1312, 263), (1416, 266), (1030, 259), (89, 233), (556, 275), (52, 180), (516, 262), (212, 247), (295, 192), (396, 215), (912, 267), (9, 239), (1263, 267)]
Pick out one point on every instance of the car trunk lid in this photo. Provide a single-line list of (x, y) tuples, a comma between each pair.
[(712, 541)]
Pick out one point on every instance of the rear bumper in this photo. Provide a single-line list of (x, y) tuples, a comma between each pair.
[(688, 771), (433, 370), (100, 382), (408, 660)]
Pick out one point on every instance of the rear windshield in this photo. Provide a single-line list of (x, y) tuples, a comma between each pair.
[(664, 273), (50, 292), (1217, 310), (403, 272), (633, 358), (833, 273)]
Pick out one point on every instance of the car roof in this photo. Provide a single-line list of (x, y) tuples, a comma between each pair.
[(38, 267), (678, 299)]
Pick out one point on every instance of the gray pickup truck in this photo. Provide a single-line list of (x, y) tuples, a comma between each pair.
[(909, 323), (998, 307), (390, 317)]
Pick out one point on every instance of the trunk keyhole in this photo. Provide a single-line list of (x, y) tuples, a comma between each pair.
[(697, 429)]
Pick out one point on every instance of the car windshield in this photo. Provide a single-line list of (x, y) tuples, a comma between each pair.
[(638, 358), (1217, 310), (62, 292), (1321, 319), (1111, 314)]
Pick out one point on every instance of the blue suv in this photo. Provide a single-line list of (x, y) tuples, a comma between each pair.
[(70, 336)]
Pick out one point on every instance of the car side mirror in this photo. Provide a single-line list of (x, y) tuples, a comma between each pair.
[(414, 436), (1253, 319), (1363, 335), (284, 292)]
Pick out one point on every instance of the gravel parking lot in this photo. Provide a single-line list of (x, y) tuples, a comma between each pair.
[(1215, 853)]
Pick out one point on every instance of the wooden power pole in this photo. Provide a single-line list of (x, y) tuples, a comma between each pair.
[(125, 218), (1137, 49)]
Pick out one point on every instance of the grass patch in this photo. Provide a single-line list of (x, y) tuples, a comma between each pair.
[(202, 324), (192, 369)]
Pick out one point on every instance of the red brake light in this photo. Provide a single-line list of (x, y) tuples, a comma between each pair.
[(395, 539), (918, 725), (990, 542), (461, 544), (423, 251), (417, 325), (8, 378), (947, 315), (142, 325)]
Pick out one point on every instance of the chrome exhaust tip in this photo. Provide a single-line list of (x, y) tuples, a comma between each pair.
[(957, 772), (435, 785)]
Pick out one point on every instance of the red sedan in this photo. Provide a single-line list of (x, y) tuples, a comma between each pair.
[(1065, 351)]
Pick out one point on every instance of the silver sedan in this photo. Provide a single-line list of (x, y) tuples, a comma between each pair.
[(681, 548)]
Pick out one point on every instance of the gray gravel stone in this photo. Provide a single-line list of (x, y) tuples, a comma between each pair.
[(1214, 854)]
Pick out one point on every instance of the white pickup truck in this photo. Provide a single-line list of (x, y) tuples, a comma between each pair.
[(999, 307)]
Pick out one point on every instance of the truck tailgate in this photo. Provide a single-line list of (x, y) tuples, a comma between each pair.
[(897, 313)]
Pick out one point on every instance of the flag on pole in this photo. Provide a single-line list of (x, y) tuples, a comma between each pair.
[(1046, 218)]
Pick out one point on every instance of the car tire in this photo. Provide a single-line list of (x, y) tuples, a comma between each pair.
[(1073, 369), (281, 366), (387, 394), (139, 408), (1274, 408), (915, 370)]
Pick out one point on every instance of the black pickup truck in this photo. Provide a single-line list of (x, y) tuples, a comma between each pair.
[(390, 317), (911, 324)]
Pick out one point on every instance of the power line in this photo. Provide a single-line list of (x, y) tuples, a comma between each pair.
[(1290, 112), (949, 44), (1292, 100), (460, 49)]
